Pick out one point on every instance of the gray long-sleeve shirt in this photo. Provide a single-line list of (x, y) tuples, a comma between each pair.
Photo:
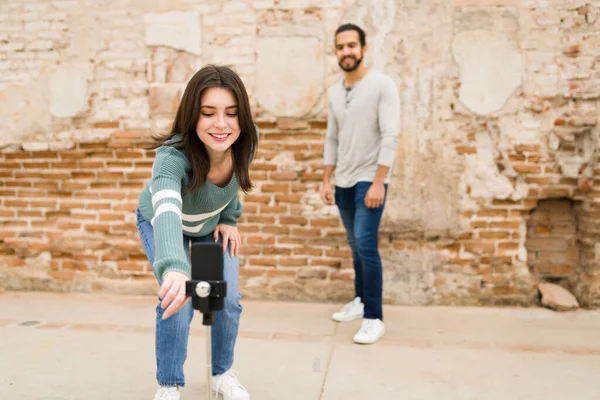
[(362, 128)]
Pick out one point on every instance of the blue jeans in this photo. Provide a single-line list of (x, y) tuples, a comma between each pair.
[(172, 333), (362, 227)]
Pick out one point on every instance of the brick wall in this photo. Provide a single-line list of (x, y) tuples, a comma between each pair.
[(67, 223)]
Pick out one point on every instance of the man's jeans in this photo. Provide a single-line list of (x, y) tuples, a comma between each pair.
[(362, 226), (172, 333)]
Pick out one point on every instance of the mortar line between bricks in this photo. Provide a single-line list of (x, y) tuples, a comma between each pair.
[(319, 338)]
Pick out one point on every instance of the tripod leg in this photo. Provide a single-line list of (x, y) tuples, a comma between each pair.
[(208, 360)]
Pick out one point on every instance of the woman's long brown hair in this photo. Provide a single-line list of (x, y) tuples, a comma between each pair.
[(186, 120)]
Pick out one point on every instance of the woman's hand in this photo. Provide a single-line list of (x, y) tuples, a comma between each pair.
[(172, 292), (230, 234)]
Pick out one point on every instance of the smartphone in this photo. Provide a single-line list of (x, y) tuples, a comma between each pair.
[(207, 265)]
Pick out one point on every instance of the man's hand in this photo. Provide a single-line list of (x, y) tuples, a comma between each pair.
[(375, 195), (327, 193), (172, 292), (231, 234)]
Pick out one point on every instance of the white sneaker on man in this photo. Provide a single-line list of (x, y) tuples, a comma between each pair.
[(371, 331), (229, 386), (350, 312), (167, 393)]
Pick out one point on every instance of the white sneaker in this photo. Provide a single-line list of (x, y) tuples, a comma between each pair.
[(167, 393), (229, 386), (371, 331), (350, 312)]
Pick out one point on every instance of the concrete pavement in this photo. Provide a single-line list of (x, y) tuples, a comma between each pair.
[(93, 347)]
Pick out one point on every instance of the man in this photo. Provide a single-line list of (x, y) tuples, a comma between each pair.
[(362, 133)]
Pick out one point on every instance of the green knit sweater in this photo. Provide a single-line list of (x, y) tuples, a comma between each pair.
[(173, 211)]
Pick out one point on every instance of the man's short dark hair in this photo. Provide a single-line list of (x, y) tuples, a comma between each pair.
[(351, 27)]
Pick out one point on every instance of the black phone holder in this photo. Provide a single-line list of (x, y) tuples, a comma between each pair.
[(207, 296), (208, 290)]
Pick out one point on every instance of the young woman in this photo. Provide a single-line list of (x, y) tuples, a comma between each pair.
[(192, 197)]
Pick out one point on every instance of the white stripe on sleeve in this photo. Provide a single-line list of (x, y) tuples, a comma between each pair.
[(164, 194), (165, 208)]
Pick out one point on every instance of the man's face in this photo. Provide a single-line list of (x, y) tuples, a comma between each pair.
[(348, 50)]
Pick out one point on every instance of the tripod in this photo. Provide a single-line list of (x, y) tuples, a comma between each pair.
[(208, 291)]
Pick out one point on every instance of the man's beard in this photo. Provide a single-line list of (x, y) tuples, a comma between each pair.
[(353, 67)]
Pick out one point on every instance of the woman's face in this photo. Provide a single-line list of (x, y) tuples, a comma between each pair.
[(218, 126)]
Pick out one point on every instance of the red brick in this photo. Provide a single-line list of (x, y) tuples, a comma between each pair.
[(251, 272), (539, 180), (525, 168), (43, 204), (252, 198), (120, 164), (307, 252), (276, 230), (508, 246), (272, 210), (103, 185), (299, 187), (129, 154), (478, 247), (64, 165), (347, 275), (293, 262), (505, 225), (91, 227), (527, 148), (55, 175), (284, 176), (288, 198), (261, 240), (328, 262), (110, 217), (306, 232), (26, 174), (339, 253), (296, 147), (100, 154), (260, 219), (258, 176), (9, 165), (18, 184), (498, 202), (491, 214), (494, 235), (466, 150), (73, 155), (273, 250), (290, 220), (263, 261), (91, 146), (517, 157), (47, 185), (277, 188), (74, 265), (311, 176), (16, 203), (281, 272), (90, 164)]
